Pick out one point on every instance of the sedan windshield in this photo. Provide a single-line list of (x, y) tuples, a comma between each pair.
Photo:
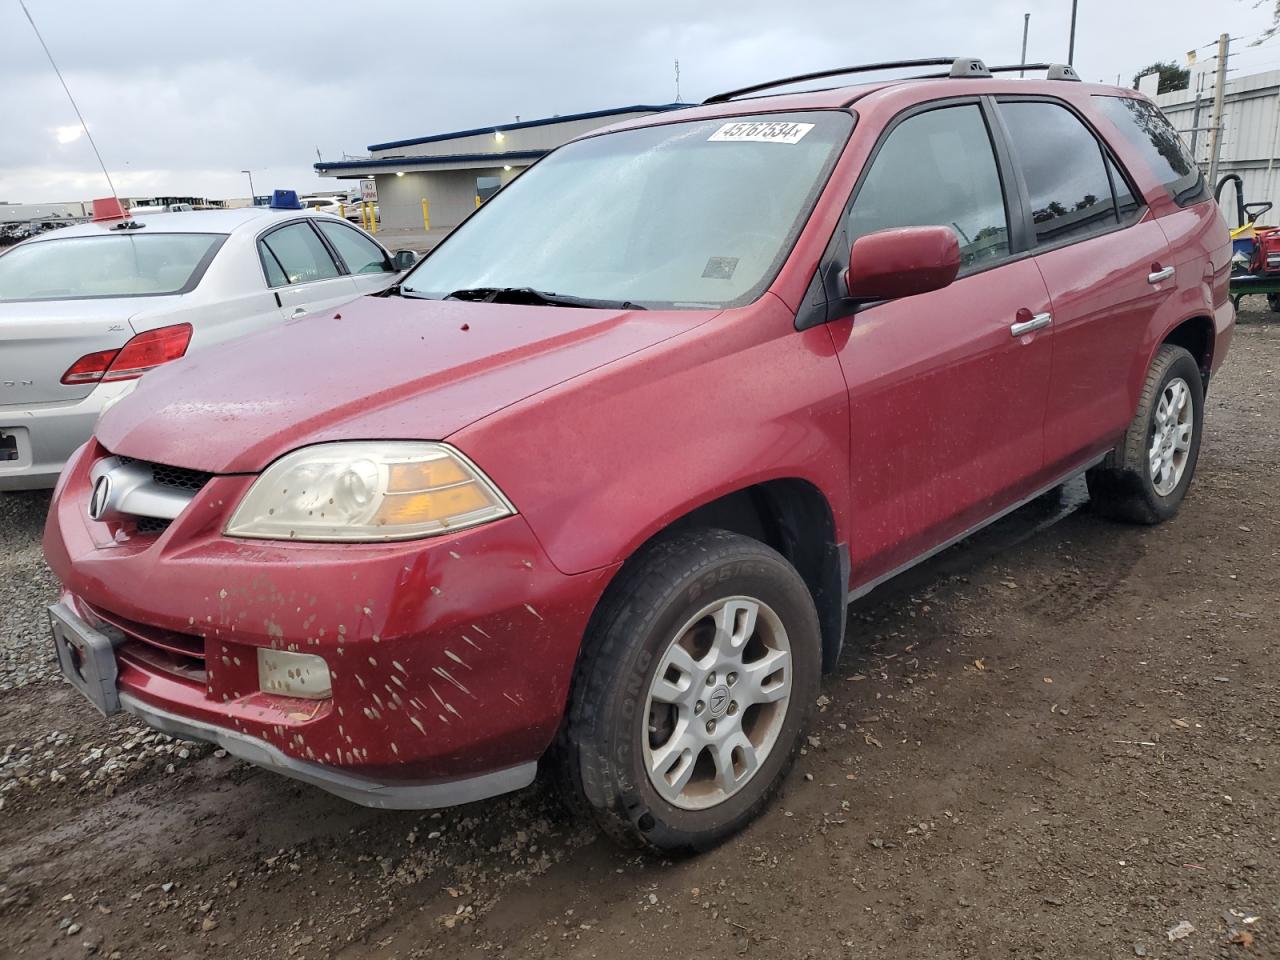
[(124, 265), (680, 215)]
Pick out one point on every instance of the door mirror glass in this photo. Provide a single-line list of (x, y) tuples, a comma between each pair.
[(902, 262), (403, 259)]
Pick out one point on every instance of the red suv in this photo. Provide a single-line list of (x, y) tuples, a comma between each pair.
[(594, 484)]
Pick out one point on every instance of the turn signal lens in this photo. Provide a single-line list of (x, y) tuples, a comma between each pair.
[(435, 506), (412, 477)]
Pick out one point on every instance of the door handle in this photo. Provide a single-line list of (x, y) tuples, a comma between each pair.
[(1158, 276), (1038, 322), (299, 311)]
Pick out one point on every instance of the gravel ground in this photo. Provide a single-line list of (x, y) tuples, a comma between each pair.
[(1058, 739)]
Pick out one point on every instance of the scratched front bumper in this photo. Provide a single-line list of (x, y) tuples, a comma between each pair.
[(450, 658)]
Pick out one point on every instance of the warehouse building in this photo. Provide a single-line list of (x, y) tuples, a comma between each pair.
[(1250, 133), (451, 170)]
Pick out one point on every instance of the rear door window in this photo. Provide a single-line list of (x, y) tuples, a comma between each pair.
[(1065, 171), (937, 168), (1145, 129), (295, 254), (360, 253)]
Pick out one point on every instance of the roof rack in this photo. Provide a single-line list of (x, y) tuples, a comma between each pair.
[(969, 67), (1053, 71), (960, 67)]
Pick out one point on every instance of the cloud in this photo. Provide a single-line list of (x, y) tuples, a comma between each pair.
[(181, 97), (71, 134)]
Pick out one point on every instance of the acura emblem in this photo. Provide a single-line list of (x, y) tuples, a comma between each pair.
[(101, 495)]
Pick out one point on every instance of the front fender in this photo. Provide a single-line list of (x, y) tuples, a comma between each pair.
[(601, 463)]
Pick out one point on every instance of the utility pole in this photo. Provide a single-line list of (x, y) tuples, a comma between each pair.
[(1219, 94), (1071, 44), (1026, 25), (253, 198)]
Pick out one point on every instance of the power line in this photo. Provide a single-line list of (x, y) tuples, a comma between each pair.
[(84, 126)]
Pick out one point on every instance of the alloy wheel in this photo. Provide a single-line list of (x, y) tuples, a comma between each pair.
[(1172, 426), (717, 703)]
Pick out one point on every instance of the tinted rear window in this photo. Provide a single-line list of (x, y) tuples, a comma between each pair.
[(1064, 168), (122, 265), (1147, 131)]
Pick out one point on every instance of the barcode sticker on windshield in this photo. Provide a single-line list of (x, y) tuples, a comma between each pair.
[(762, 131)]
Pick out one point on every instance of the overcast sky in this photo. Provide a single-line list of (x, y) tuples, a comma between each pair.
[(182, 96)]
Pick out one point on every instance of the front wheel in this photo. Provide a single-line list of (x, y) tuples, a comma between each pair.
[(1146, 477), (698, 673)]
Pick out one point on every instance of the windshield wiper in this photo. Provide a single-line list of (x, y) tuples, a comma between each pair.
[(538, 298)]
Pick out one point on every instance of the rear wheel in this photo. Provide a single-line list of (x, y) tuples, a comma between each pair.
[(1146, 477), (1273, 301), (699, 670)]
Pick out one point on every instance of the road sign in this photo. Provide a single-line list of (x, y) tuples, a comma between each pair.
[(368, 191)]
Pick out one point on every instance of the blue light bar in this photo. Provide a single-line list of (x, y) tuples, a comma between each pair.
[(285, 200)]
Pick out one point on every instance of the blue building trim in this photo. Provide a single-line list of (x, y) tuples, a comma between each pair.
[(526, 124), (488, 159)]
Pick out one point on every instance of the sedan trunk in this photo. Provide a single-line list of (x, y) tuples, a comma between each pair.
[(39, 340)]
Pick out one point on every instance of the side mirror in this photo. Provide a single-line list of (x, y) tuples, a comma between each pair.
[(902, 262), (402, 260)]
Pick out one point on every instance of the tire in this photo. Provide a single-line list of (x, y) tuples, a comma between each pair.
[(1273, 301), (1125, 486), (673, 596)]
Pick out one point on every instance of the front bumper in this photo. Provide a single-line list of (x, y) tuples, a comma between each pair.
[(46, 435), (450, 658), (87, 659)]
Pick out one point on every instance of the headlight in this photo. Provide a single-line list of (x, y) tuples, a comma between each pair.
[(367, 491)]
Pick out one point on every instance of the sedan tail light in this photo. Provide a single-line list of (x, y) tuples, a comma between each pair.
[(144, 352)]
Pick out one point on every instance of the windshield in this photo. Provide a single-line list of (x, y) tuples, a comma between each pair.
[(682, 215), (125, 265)]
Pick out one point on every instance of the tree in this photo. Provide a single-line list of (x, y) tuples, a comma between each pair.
[(1272, 30), (1172, 76)]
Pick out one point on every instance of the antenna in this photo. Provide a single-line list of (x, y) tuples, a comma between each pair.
[(84, 126), (677, 80)]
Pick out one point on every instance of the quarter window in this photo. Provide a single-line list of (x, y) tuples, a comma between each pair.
[(294, 254), (938, 169), (1065, 171), (360, 254), (1148, 132)]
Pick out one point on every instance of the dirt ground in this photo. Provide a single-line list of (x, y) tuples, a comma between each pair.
[(1056, 740)]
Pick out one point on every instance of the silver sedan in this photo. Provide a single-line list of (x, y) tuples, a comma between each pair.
[(86, 310)]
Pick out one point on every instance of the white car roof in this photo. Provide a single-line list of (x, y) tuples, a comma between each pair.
[(184, 221)]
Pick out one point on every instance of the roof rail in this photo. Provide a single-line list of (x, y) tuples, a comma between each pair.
[(967, 67), (960, 67), (1055, 71)]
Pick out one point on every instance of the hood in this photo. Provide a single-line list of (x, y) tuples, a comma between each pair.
[(379, 368)]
